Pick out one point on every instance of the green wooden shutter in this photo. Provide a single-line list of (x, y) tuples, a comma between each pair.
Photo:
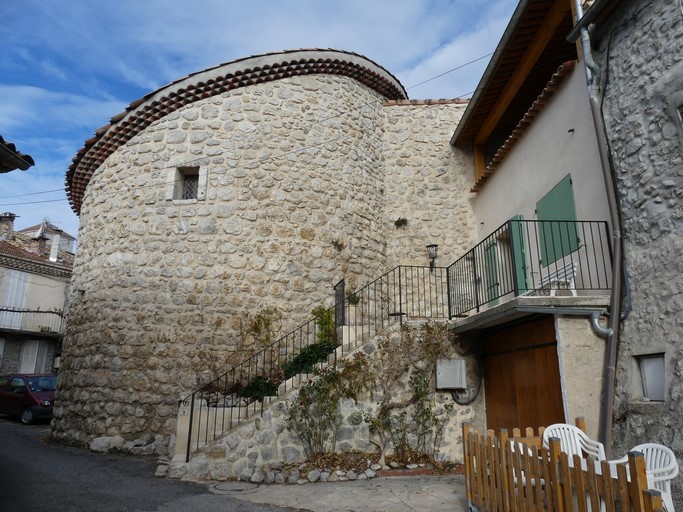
[(558, 236), (518, 241), (492, 279)]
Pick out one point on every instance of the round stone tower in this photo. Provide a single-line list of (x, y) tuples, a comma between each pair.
[(253, 184)]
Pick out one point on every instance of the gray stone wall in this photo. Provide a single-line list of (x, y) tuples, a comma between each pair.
[(428, 184), (263, 442), (295, 200), (642, 47)]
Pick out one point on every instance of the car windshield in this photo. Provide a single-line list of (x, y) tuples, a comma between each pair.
[(44, 383)]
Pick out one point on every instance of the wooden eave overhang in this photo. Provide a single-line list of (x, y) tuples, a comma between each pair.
[(529, 53), (214, 81), (548, 92)]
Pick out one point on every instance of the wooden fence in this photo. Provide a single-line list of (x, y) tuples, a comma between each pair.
[(517, 474)]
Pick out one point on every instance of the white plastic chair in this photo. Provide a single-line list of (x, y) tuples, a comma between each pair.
[(661, 467), (574, 441)]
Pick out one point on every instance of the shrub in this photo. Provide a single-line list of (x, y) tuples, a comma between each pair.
[(305, 361), (259, 387)]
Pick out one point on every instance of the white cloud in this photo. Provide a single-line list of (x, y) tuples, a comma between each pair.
[(42, 109), (70, 66), (480, 39)]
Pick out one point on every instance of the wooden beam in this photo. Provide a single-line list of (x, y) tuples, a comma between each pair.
[(545, 33), (479, 165)]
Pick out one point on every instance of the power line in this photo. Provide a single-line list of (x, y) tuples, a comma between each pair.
[(33, 193), (34, 202), (263, 160), (450, 70)]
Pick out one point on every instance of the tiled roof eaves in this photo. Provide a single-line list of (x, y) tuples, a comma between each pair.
[(213, 81), (11, 251), (563, 72), (35, 267)]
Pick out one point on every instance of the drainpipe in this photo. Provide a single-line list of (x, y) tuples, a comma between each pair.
[(593, 73)]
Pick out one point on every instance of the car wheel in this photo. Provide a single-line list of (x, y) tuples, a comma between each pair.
[(26, 416)]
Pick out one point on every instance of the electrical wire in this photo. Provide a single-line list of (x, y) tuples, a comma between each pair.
[(451, 70), (263, 160)]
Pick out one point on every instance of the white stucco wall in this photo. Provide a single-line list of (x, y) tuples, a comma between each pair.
[(560, 141), (581, 355), (46, 293)]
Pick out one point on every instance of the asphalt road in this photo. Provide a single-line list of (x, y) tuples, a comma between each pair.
[(37, 475)]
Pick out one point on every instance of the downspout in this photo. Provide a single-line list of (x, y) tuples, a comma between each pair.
[(593, 73)]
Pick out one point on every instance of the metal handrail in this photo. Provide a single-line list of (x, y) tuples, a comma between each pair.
[(403, 292), (531, 257), (519, 258)]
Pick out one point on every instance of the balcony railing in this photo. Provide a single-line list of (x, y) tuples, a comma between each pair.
[(31, 320), (519, 258), (531, 257)]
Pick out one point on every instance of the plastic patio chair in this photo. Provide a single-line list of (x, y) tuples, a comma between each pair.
[(661, 467), (574, 441)]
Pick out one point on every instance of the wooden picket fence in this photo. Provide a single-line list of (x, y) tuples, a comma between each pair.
[(517, 474)]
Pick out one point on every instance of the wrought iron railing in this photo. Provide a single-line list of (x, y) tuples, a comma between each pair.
[(31, 320), (531, 257), (242, 391), (519, 258)]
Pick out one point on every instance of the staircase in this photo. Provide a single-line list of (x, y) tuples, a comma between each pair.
[(472, 283), (247, 390)]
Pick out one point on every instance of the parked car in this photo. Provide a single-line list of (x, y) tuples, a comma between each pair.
[(27, 397)]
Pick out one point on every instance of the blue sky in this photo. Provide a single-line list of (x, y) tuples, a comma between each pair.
[(68, 66)]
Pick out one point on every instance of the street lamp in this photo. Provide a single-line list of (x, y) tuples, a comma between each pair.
[(431, 252)]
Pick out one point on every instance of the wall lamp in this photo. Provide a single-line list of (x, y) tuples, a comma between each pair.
[(432, 250)]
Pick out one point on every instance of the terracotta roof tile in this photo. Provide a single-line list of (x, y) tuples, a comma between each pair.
[(137, 117)]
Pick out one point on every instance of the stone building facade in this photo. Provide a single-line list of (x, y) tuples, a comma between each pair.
[(640, 48), (300, 161)]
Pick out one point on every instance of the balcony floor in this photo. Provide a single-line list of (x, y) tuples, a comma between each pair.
[(520, 307)]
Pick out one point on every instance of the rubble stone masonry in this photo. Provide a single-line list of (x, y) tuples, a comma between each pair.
[(305, 177), (641, 53)]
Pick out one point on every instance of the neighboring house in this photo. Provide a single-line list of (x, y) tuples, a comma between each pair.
[(34, 280), (542, 219), (638, 48), (609, 152)]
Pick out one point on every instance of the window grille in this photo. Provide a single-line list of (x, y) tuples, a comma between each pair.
[(190, 186)]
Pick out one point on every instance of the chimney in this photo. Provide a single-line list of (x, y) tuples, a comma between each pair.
[(38, 246), (7, 225)]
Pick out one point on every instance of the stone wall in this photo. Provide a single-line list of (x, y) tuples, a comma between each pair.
[(296, 199), (428, 183), (263, 442), (642, 44)]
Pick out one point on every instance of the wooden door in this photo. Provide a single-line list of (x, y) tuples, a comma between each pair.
[(522, 375)]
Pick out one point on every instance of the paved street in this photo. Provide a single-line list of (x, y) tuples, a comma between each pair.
[(39, 476)]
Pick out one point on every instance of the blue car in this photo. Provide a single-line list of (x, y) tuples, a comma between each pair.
[(28, 397)]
